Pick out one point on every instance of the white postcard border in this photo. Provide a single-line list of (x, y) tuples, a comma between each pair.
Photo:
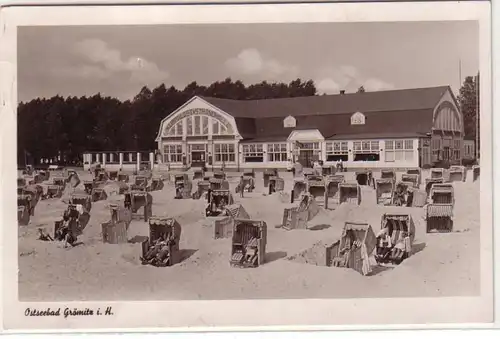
[(237, 315)]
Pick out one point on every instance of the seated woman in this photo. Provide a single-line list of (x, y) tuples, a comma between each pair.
[(163, 255), (251, 256), (399, 252), (178, 192), (384, 245), (399, 196), (211, 210), (64, 232), (151, 254)]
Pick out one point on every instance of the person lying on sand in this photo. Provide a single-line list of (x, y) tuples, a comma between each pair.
[(44, 236)]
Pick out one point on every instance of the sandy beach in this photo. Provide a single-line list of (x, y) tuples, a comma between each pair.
[(442, 265)]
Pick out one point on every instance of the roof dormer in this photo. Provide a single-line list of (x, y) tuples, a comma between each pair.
[(358, 118)]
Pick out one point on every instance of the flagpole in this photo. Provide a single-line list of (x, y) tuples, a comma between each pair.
[(459, 73), (477, 117), (460, 106)]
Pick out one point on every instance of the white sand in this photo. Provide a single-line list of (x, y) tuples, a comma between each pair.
[(445, 265)]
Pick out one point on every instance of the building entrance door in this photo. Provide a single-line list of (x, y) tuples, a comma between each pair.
[(306, 158), (197, 158)]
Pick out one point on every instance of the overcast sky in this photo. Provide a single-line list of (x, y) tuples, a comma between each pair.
[(119, 60)]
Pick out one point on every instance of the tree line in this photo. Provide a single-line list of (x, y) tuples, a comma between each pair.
[(68, 127)]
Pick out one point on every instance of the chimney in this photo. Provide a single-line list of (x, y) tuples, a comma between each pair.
[(342, 91)]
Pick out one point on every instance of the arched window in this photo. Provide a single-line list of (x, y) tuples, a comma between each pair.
[(198, 122), (447, 118), (175, 130)]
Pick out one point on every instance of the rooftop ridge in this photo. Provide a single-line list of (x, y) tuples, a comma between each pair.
[(443, 87)]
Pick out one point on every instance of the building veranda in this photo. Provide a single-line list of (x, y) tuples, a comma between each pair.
[(386, 129)]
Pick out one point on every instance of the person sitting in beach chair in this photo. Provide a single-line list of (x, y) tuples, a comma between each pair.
[(159, 254), (64, 232), (398, 253), (178, 192), (399, 196), (251, 256), (152, 252), (214, 210), (385, 244), (211, 209), (163, 255)]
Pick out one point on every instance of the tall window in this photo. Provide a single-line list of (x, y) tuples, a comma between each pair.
[(276, 152), (399, 150), (189, 123), (436, 149), (309, 145), (224, 152), (218, 128), (197, 125), (176, 130), (204, 124), (253, 153), (366, 150), (337, 150), (172, 153)]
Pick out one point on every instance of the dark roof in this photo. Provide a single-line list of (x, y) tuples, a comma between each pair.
[(387, 123), (378, 135), (265, 138), (394, 100), (388, 113)]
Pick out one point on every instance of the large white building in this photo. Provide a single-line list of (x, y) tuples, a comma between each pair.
[(386, 129)]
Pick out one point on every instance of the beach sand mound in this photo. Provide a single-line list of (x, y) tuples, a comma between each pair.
[(315, 255)]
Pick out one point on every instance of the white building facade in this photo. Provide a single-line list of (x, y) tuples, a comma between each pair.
[(387, 129), (199, 133)]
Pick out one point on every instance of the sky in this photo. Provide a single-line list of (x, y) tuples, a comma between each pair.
[(119, 60)]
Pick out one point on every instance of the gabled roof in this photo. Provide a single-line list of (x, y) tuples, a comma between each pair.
[(381, 101)]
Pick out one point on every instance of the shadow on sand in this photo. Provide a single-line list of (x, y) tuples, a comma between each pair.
[(137, 239), (185, 254), (273, 256), (319, 227), (418, 247)]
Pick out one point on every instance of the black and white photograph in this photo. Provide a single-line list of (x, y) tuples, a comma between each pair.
[(231, 159)]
